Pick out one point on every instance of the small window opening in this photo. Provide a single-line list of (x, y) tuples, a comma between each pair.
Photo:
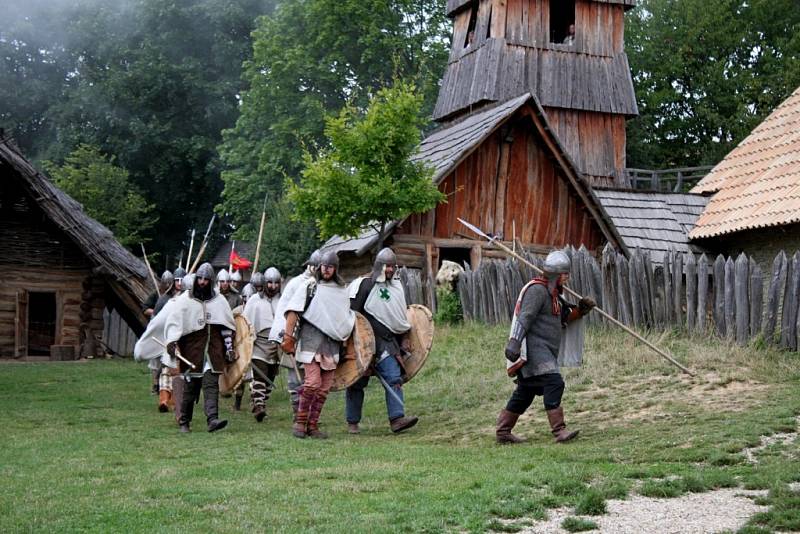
[(489, 25), (41, 323), (460, 256), (473, 22), (562, 21)]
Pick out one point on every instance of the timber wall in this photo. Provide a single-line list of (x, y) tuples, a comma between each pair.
[(38, 257), (510, 187)]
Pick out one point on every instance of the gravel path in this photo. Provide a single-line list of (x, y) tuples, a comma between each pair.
[(696, 513)]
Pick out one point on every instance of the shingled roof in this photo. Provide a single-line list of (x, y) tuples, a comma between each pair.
[(444, 149), (654, 222), (757, 185), (95, 240)]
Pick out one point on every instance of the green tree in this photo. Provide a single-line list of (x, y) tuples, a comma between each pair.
[(366, 177), (311, 57), (706, 73), (106, 193), (153, 82)]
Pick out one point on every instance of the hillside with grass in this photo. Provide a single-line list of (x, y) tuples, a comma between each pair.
[(84, 449)]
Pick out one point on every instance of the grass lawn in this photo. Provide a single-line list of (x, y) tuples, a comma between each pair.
[(83, 448)]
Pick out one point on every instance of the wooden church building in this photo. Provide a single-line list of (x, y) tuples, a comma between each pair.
[(62, 270), (532, 112)]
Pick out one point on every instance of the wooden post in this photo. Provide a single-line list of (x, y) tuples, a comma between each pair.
[(790, 303), (702, 294), (774, 296), (741, 294), (756, 298), (691, 293), (669, 300), (719, 295), (21, 325), (623, 290), (475, 256), (677, 286), (633, 285), (730, 299)]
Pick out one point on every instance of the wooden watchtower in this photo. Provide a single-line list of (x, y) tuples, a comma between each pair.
[(505, 48)]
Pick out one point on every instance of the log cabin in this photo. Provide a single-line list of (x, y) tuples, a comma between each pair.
[(61, 269)]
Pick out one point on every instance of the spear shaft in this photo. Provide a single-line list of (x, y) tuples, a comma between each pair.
[(599, 310), (152, 274)]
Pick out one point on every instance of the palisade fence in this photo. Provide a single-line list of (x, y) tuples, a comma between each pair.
[(725, 297)]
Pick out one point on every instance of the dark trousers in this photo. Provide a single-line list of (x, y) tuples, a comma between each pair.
[(260, 389), (209, 384), (549, 386)]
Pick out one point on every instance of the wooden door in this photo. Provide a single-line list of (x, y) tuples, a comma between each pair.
[(21, 325)]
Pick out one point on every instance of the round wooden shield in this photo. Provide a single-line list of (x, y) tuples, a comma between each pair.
[(243, 345), (421, 338), (349, 371)]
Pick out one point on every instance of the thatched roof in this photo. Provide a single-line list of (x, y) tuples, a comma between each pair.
[(96, 241)]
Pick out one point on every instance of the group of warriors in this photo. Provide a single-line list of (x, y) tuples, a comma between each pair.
[(203, 323), (309, 328)]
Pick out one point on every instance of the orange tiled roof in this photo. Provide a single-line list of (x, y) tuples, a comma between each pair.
[(758, 184)]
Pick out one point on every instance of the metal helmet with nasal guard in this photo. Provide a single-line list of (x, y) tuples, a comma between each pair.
[(557, 262), (385, 257), (206, 271), (272, 275), (223, 276)]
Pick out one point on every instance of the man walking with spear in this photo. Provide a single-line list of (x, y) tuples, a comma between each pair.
[(540, 315)]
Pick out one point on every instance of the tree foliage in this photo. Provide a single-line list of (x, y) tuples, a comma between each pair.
[(153, 82), (310, 58), (106, 193), (706, 72), (366, 177)]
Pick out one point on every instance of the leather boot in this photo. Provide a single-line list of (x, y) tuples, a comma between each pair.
[(211, 403), (505, 424), (300, 425), (259, 413), (187, 410), (163, 400), (352, 428), (399, 424), (177, 396), (313, 417), (558, 426)]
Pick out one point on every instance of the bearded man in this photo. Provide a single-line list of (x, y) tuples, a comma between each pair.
[(381, 299), (317, 340), (540, 316), (200, 327)]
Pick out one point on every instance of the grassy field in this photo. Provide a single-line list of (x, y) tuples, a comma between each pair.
[(83, 448)]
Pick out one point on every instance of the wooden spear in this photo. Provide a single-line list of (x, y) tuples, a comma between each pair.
[(203, 245), (260, 234), (599, 310), (152, 274), (191, 246)]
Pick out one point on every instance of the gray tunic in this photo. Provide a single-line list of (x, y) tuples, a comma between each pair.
[(542, 332)]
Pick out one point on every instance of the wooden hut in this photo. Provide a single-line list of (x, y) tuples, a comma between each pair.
[(531, 120), (61, 269)]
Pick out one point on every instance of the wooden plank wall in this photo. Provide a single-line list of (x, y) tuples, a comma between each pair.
[(68, 285), (594, 141), (509, 181), (117, 335), (681, 292)]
